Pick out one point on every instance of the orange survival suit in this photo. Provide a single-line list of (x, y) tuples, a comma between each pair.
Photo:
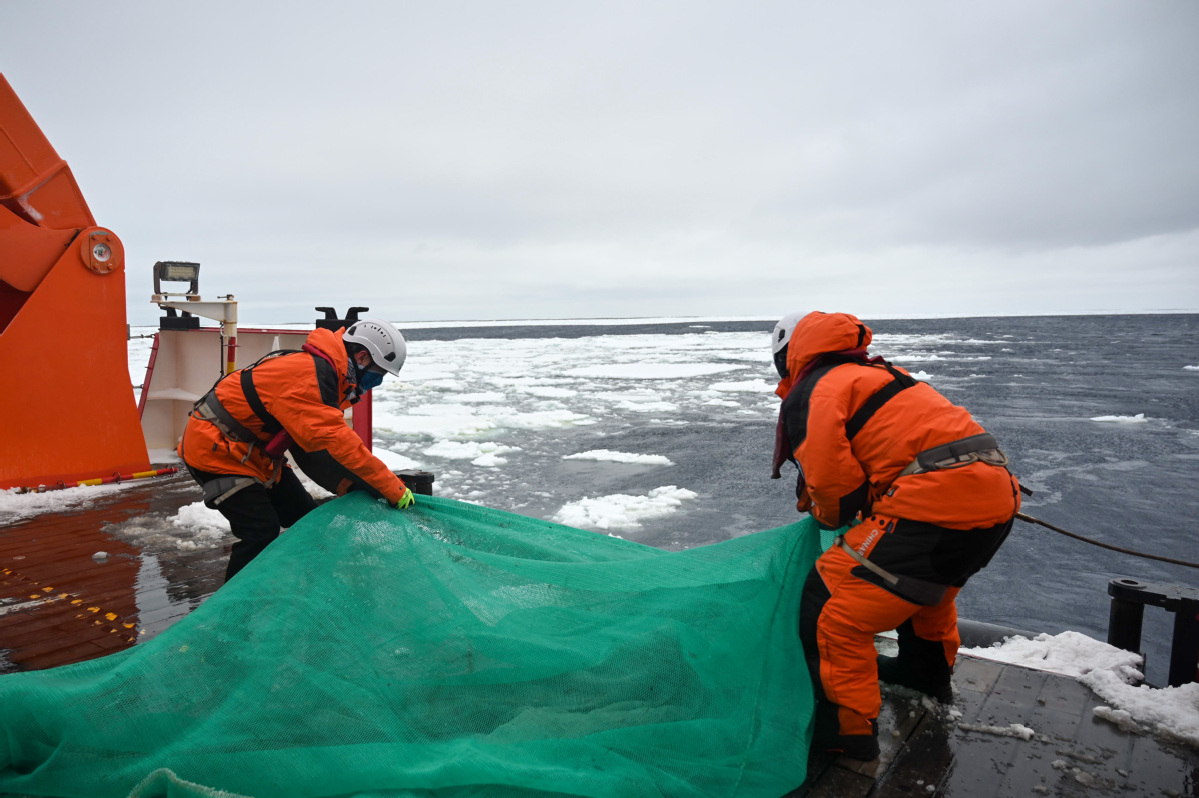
[(302, 394), (935, 501)]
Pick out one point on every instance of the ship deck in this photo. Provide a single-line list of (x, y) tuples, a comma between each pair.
[(59, 604)]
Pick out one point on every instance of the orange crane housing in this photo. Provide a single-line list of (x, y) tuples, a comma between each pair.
[(67, 409)]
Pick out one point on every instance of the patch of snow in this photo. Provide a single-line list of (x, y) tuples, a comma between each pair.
[(1170, 711), (1069, 653), (15, 506), (1139, 418), (198, 518), (622, 511), (208, 528), (606, 455), (1111, 673), (1014, 730)]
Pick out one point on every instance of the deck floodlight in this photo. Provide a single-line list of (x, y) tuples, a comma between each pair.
[(175, 271)]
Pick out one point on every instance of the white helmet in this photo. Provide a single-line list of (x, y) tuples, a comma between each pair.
[(382, 340), (780, 337)]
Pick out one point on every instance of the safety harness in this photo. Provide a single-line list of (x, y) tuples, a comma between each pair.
[(981, 448), (908, 588), (209, 408)]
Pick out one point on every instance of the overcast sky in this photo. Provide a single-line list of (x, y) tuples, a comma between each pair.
[(567, 159)]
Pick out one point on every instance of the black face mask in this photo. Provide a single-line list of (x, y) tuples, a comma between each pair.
[(369, 379)]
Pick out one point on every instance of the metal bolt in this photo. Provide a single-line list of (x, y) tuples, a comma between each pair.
[(101, 252)]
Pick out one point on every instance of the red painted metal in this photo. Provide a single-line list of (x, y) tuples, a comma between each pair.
[(363, 421), (112, 478), (231, 355)]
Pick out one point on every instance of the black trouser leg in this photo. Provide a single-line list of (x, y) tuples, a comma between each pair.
[(255, 514), (815, 596), (254, 523), (290, 500), (923, 659)]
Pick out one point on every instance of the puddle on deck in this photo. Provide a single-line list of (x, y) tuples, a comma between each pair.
[(61, 603)]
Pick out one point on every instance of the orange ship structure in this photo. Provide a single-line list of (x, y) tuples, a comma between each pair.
[(67, 411)]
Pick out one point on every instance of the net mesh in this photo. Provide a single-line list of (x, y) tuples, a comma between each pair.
[(448, 650)]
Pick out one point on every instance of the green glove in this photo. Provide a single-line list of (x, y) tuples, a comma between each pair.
[(405, 501)]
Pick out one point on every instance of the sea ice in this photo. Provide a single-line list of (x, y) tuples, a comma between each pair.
[(745, 386), (607, 455), (651, 371), (1139, 418), (622, 511), (649, 407), (548, 391), (482, 397), (468, 450), (395, 461)]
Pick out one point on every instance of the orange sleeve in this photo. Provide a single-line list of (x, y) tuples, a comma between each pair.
[(316, 426), (835, 479)]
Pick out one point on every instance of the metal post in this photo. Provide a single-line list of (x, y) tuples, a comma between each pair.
[(1124, 625), (230, 329), (1184, 649)]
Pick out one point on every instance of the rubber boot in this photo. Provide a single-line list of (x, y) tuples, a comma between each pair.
[(827, 737), (933, 682), (920, 665)]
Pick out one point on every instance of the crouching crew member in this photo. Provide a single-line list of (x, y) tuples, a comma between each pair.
[(239, 433), (935, 500)]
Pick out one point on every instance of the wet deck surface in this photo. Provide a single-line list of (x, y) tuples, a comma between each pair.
[(1073, 753), (59, 605)]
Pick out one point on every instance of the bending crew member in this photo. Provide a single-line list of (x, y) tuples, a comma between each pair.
[(935, 500), (238, 434)]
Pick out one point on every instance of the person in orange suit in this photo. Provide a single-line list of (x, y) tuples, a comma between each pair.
[(238, 434), (928, 496)]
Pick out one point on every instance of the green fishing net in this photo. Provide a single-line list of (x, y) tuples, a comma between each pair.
[(448, 650)]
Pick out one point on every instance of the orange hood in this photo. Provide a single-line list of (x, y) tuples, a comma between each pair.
[(331, 344), (817, 334)]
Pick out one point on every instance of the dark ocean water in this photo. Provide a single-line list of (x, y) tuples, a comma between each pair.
[(1036, 383)]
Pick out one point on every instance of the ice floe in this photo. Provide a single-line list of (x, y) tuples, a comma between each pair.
[(651, 371), (485, 453), (622, 511), (745, 386), (1139, 418), (606, 455)]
